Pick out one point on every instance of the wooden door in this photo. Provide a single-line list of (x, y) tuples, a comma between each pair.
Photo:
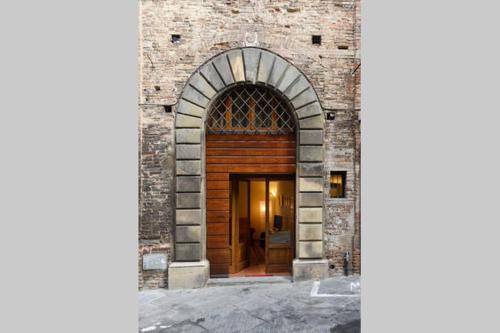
[(241, 225), (228, 154), (280, 224)]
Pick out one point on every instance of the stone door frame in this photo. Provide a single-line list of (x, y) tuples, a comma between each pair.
[(247, 65)]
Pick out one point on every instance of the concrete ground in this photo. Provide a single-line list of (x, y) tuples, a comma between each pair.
[(331, 305)]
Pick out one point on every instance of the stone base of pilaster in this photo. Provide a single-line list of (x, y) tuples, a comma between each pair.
[(188, 275), (310, 269)]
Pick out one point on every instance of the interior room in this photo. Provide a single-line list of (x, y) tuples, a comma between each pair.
[(264, 249)]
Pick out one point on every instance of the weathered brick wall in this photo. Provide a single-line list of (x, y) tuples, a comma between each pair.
[(341, 213), (211, 26), (155, 188)]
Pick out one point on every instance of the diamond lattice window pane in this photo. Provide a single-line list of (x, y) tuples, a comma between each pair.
[(250, 109)]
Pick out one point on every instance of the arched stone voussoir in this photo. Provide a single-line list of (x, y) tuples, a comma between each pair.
[(201, 84), (221, 64), (289, 78), (235, 58), (278, 70), (194, 96), (300, 85), (251, 58)]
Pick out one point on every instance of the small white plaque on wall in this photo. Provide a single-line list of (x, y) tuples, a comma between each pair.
[(154, 261)]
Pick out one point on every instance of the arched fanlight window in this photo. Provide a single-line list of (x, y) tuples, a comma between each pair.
[(250, 109)]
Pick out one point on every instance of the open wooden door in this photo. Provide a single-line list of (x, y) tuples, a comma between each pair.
[(242, 225), (280, 224)]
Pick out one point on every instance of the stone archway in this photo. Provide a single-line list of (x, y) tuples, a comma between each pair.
[(239, 66)]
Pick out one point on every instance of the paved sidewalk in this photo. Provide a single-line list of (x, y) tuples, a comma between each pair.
[(333, 305)]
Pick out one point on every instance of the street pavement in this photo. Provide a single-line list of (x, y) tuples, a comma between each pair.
[(330, 305)]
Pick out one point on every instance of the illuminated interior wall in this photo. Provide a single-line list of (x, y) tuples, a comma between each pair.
[(278, 191), (257, 206)]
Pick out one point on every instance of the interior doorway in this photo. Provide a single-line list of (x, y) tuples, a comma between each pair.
[(262, 225)]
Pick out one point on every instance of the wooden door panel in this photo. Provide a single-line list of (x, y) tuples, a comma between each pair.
[(277, 268), (218, 241), (279, 256), (219, 256), (249, 144), (218, 176), (251, 152), (217, 185), (256, 168), (218, 194), (218, 216), (217, 204), (218, 228), (250, 160), (250, 137)]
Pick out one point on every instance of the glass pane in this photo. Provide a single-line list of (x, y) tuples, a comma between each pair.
[(281, 211)]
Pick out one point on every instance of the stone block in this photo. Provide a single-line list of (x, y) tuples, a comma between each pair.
[(316, 122), (310, 215), (187, 252), (310, 232), (188, 234), (188, 200), (202, 85), (187, 216), (311, 169), (311, 153), (304, 270), (187, 152), (265, 65), (188, 275), (311, 137), (311, 199), (310, 184), (154, 261), (211, 75), (306, 97), (297, 87), (188, 167), (310, 249), (184, 135), (185, 107), (188, 184), (222, 64), (309, 110), (236, 62), (279, 68), (182, 121), (251, 56), (194, 96), (289, 77)]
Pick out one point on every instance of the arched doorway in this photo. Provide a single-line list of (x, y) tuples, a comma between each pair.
[(232, 72), (250, 182)]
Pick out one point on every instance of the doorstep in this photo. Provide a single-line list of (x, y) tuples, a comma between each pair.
[(234, 281)]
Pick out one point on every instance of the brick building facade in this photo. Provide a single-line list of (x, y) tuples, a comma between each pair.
[(317, 45)]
